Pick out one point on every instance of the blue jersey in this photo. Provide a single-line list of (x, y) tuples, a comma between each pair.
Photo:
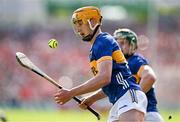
[(105, 47), (135, 62)]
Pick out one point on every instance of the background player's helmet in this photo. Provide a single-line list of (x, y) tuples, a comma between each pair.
[(85, 14), (129, 35)]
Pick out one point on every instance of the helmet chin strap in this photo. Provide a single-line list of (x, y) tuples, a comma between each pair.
[(89, 37)]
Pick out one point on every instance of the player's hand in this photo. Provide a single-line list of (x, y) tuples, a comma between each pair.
[(86, 102), (63, 96)]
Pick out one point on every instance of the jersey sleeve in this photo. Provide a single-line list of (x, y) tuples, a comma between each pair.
[(103, 51), (139, 62)]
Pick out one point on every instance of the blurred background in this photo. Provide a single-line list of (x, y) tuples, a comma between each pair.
[(27, 25)]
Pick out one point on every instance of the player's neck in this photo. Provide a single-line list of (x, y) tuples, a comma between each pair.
[(94, 38)]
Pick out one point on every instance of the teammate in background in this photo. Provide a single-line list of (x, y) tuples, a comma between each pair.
[(141, 69), (112, 76)]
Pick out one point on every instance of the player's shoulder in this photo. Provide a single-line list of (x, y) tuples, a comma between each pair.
[(104, 39), (139, 58)]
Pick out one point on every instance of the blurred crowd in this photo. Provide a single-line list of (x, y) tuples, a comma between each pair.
[(20, 85), (68, 64)]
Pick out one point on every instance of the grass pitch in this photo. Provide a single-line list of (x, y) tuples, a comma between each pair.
[(15, 115), (52, 116)]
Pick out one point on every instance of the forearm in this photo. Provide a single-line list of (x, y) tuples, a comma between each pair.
[(97, 95), (148, 78), (146, 84), (91, 85)]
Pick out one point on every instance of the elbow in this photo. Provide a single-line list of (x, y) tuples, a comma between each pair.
[(106, 79), (153, 78)]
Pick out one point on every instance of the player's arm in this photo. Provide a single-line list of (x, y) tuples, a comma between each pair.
[(147, 76), (100, 80), (89, 100)]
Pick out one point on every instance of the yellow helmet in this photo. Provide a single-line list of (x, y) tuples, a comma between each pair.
[(84, 15), (87, 13)]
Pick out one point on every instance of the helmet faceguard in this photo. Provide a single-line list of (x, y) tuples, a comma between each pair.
[(130, 36), (84, 15)]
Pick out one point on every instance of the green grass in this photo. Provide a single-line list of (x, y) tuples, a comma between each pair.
[(52, 116), (15, 115), (175, 115)]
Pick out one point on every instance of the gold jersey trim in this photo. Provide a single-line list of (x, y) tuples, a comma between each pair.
[(139, 73), (118, 56), (104, 58)]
